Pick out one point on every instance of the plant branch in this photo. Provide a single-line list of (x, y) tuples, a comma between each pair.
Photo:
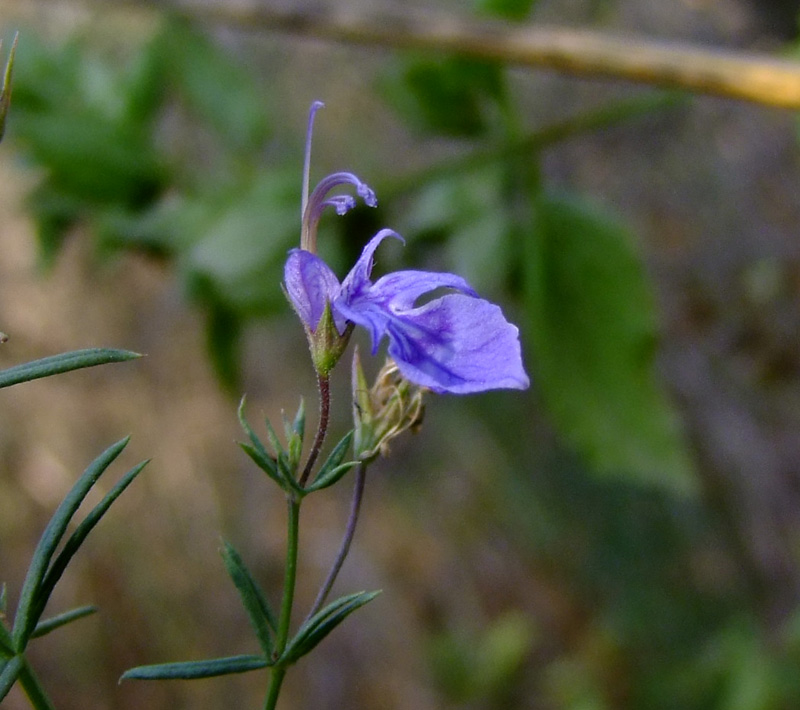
[(352, 521), (609, 115), (734, 74)]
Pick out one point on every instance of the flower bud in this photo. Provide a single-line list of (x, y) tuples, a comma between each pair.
[(383, 412)]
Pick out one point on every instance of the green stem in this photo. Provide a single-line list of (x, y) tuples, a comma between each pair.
[(274, 688), (33, 689), (285, 619), (608, 115)]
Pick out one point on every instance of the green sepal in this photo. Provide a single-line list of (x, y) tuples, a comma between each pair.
[(333, 469), (54, 622), (81, 532), (25, 618), (322, 623), (65, 362), (9, 674), (189, 670), (327, 344), (253, 598)]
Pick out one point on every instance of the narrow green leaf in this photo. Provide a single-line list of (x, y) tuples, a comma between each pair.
[(190, 670), (254, 600), (65, 362), (332, 476), (9, 674), (6, 643), (76, 539), (322, 623), (268, 465), (279, 470), (25, 620), (333, 462), (5, 91), (592, 328), (258, 452), (33, 688), (3, 599), (54, 622)]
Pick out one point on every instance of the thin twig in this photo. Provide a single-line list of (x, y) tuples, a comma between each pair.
[(352, 521), (730, 73)]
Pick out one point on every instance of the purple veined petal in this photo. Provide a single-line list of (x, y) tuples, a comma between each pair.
[(457, 344), (310, 284), (402, 288), (368, 314), (357, 281)]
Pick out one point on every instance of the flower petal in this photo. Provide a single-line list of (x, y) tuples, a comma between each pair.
[(402, 288), (310, 284), (357, 281), (457, 344)]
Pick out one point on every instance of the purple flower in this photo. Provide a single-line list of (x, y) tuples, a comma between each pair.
[(456, 342)]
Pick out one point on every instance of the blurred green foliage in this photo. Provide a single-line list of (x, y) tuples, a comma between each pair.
[(225, 221), (97, 131), (165, 155), (592, 326)]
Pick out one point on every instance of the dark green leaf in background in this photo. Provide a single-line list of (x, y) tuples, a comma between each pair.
[(509, 9), (592, 329), (466, 213), (452, 97), (214, 86)]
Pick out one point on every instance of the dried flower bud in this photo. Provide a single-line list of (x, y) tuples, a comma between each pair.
[(384, 411)]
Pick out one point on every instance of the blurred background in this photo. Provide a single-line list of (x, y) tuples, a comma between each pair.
[(623, 535)]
